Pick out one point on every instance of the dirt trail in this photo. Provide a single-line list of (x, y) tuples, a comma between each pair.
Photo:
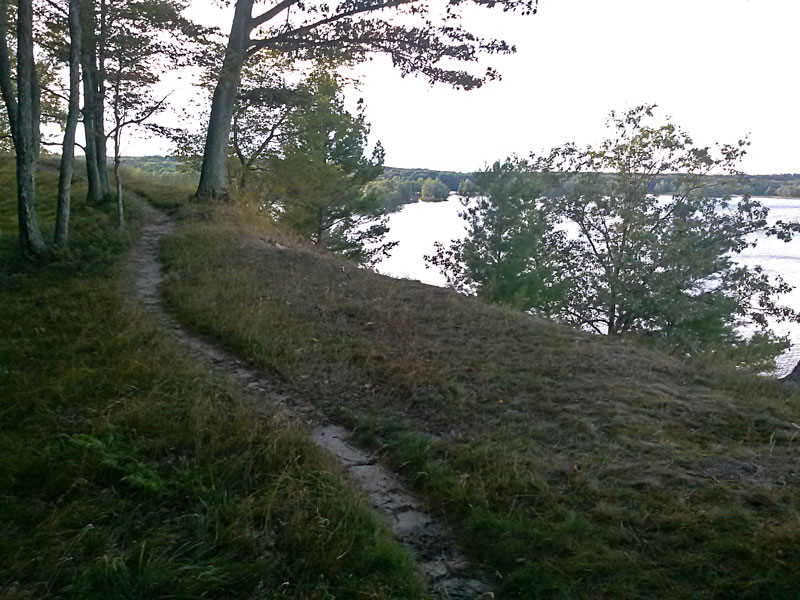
[(447, 573)]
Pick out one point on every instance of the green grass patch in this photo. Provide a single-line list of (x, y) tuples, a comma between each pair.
[(571, 464), (128, 471), (167, 192)]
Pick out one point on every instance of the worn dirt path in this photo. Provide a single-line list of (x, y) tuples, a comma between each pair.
[(447, 573)]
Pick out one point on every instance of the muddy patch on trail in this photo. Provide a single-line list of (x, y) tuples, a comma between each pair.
[(448, 574)]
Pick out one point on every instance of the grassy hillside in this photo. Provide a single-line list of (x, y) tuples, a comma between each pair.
[(127, 471), (571, 465)]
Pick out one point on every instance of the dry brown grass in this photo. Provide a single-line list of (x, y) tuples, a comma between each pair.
[(573, 465)]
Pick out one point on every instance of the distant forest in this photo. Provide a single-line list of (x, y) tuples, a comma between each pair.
[(407, 184), (154, 165), (403, 186), (786, 185)]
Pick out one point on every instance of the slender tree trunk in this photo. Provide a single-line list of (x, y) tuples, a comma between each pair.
[(237, 150), (89, 111), (118, 177), (27, 136), (6, 84), (36, 106), (99, 62), (214, 172), (100, 149), (612, 319), (68, 148), (95, 194), (23, 118), (118, 118)]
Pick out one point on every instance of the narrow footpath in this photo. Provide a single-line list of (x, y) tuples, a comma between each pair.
[(447, 573)]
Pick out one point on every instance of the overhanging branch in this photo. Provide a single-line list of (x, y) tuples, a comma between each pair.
[(299, 31), (272, 13)]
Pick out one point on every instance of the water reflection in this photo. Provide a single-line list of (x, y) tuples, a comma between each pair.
[(418, 226)]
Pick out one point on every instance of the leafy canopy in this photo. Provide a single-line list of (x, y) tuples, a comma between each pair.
[(632, 261), (420, 37), (317, 182), (511, 253), (433, 190)]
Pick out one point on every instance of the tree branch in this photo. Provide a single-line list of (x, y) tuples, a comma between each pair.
[(56, 7), (272, 13), (139, 120), (56, 94), (299, 31), (236, 147), (269, 138)]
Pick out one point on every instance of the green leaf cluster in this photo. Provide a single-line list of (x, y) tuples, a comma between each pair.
[(434, 190), (317, 182), (512, 254), (398, 187), (586, 240)]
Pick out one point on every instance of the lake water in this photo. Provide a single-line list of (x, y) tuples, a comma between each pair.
[(417, 226)]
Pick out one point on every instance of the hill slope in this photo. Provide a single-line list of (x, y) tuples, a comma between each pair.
[(570, 464)]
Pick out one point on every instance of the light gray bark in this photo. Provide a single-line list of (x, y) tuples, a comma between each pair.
[(25, 124), (6, 85), (214, 172), (68, 147)]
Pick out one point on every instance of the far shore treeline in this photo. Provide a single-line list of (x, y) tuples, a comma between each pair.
[(400, 186), (407, 184)]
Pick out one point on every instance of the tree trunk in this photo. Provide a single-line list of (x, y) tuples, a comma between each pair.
[(36, 107), (89, 111), (23, 118), (237, 150), (120, 208), (6, 84), (98, 62), (100, 148), (68, 148), (118, 118), (95, 194), (214, 172), (27, 137), (793, 378)]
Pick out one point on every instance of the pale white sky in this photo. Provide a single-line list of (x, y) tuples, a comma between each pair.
[(721, 68)]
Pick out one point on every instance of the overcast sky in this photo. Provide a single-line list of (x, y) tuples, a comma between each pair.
[(722, 69)]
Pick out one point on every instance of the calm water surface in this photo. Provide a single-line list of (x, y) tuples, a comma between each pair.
[(417, 226)]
